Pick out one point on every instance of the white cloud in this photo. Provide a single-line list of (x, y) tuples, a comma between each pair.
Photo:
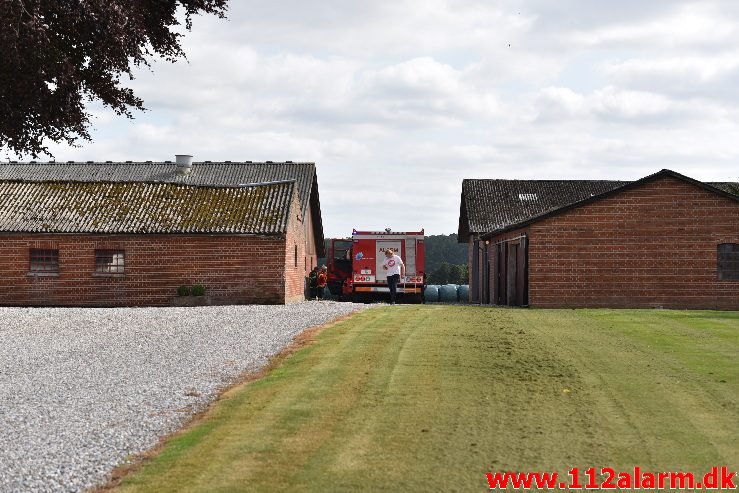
[(708, 76), (398, 101), (693, 25)]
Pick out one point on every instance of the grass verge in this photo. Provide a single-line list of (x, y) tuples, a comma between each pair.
[(429, 398)]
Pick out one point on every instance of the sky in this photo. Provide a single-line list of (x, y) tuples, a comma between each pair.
[(398, 101)]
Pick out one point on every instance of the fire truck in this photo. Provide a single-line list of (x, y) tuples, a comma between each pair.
[(355, 265)]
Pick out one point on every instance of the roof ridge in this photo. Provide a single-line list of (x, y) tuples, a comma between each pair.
[(98, 163), (544, 181), (151, 182)]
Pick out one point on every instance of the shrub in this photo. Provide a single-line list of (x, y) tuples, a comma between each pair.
[(183, 291), (198, 290)]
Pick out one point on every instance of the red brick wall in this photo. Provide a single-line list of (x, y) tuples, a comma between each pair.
[(311, 257), (233, 269), (654, 245), (295, 264)]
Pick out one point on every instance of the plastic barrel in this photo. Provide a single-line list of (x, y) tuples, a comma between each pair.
[(431, 293), (463, 292), (448, 293)]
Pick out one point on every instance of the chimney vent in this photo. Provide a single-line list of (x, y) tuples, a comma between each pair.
[(184, 163)]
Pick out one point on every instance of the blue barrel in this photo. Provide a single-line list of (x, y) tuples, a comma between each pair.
[(448, 293), (431, 293), (463, 292)]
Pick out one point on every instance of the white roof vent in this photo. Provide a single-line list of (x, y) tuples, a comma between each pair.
[(184, 163), (527, 196)]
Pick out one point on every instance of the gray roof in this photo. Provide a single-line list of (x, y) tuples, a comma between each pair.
[(497, 205), (143, 208), (203, 173), (490, 205)]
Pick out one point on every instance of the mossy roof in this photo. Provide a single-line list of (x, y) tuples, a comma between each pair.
[(217, 173), (143, 207)]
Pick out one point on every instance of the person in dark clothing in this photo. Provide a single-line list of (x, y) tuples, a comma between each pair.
[(313, 283), (321, 280)]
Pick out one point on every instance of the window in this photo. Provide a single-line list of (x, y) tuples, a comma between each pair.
[(343, 250), (44, 260), (109, 261), (296, 256), (728, 262)]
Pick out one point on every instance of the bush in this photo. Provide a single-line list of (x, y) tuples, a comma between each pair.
[(198, 290), (183, 291)]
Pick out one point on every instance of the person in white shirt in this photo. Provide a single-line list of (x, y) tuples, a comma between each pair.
[(395, 268)]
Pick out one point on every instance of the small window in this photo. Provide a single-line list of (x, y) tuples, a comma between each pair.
[(109, 261), (44, 260), (343, 250), (296, 256), (728, 261)]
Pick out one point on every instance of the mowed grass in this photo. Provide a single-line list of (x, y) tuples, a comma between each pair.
[(429, 398)]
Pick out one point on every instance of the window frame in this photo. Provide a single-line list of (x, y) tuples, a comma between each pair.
[(728, 272), (43, 257), (114, 267)]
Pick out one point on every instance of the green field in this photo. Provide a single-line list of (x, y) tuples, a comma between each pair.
[(429, 398)]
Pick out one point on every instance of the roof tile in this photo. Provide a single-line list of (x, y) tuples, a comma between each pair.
[(143, 207)]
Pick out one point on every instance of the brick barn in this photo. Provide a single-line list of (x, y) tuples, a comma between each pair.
[(665, 240), (128, 234)]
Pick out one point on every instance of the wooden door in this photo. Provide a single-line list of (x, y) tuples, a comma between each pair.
[(512, 270)]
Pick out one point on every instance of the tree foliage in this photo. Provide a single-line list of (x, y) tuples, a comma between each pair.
[(447, 273), (444, 248), (55, 55)]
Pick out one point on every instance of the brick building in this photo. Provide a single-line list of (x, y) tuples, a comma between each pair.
[(127, 234), (663, 241)]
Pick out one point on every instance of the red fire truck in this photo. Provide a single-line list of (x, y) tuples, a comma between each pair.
[(355, 264)]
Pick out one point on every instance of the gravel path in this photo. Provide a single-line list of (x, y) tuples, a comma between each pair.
[(82, 389)]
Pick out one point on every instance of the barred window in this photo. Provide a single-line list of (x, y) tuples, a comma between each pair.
[(728, 261), (109, 261), (44, 260)]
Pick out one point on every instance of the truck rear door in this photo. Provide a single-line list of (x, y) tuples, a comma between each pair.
[(381, 246)]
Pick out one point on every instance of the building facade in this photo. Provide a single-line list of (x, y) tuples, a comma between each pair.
[(225, 173), (77, 243), (662, 241)]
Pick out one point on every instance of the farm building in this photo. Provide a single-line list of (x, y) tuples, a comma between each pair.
[(127, 234), (665, 240)]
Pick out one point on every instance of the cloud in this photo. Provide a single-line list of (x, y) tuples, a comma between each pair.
[(398, 101), (691, 76), (692, 26), (554, 105)]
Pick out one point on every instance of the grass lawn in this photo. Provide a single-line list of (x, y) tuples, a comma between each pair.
[(429, 398)]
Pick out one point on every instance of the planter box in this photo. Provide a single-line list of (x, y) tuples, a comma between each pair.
[(191, 301)]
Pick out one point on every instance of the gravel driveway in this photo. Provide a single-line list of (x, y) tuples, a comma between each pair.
[(81, 389)]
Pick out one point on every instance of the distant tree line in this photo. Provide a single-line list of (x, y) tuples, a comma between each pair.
[(446, 260), (448, 273)]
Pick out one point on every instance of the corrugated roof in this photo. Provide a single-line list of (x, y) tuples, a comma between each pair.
[(143, 207), (496, 205), (726, 186), (226, 173), (490, 205), (203, 173)]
